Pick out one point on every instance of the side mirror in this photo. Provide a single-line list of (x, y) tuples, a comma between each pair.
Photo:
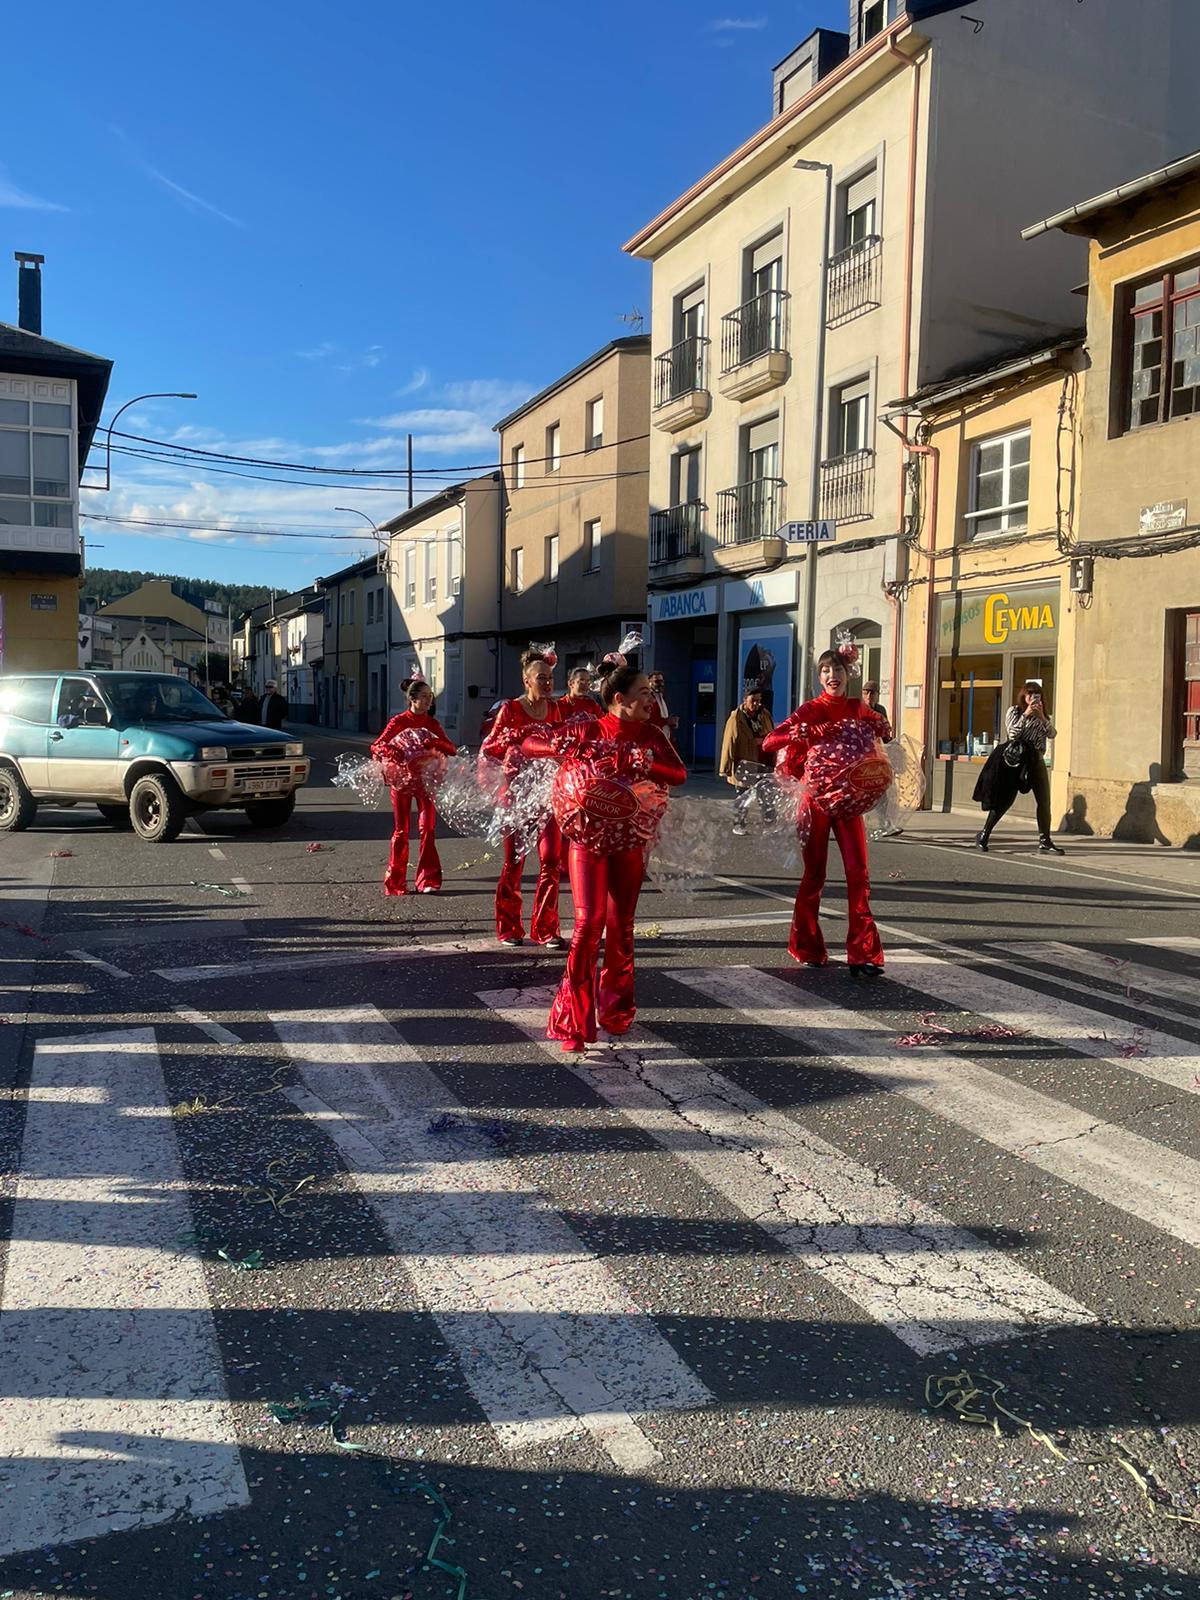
[(95, 717)]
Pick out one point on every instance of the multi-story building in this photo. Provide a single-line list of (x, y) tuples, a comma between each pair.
[(50, 401), (1135, 747), (444, 570), (342, 684), (889, 188), (989, 602), (190, 632), (574, 459)]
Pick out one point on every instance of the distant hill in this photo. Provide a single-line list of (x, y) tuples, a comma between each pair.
[(103, 584)]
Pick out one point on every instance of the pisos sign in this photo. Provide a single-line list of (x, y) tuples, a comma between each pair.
[(999, 619)]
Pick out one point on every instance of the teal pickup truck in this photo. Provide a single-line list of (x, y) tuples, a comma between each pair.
[(146, 748)]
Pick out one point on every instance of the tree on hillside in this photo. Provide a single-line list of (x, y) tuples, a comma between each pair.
[(105, 584)]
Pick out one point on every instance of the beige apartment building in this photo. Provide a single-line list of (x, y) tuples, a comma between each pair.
[(989, 600), (935, 135), (1135, 748), (574, 464), (437, 607)]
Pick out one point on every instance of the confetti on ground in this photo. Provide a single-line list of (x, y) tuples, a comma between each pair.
[(217, 888), (202, 1239), (315, 846), (969, 1394), (648, 930), (58, 855), (491, 1127), (897, 877), (930, 1031), (1130, 1048)]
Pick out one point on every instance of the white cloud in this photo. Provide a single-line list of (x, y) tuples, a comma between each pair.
[(371, 357), (318, 351), (19, 199), (419, 380), (494, 396), (737, 24)]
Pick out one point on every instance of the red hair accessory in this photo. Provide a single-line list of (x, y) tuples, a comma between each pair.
[(614, 658), (547, 652), (846, 651)]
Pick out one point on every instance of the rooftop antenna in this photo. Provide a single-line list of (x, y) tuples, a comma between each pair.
[(634, 318)]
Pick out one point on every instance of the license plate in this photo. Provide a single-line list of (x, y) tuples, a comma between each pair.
[(260, 786)]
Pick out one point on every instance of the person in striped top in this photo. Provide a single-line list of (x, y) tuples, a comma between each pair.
[(1027, 726)]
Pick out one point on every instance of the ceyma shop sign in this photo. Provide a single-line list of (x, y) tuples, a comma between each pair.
[(999, 619), (684, 605)]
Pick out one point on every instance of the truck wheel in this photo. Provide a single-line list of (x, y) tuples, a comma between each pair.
[(157, 809), (271, 813), (117, 816), (17, 806)]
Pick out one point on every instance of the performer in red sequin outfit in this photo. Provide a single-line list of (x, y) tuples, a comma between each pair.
[(807, 729), (412, 791), (605, 883), (515, 720), (578, 700)]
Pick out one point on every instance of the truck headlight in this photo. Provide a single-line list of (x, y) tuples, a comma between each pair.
[(214, 752), (293, 749)]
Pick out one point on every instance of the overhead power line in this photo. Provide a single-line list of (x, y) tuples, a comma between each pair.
[(368, 472)]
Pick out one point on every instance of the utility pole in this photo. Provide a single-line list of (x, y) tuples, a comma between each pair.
[(808, 642), (410, 473)]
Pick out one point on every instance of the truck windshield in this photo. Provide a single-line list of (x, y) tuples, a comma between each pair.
[(144, 697)]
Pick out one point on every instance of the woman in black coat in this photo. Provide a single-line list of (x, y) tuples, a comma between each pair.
[(1019, 765)]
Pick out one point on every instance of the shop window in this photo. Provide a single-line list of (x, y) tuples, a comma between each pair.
[(999, 500), (1184, 696), (971, 704), (1161, 348)]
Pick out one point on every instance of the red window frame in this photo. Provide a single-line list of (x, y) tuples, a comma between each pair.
[(1167, 306)]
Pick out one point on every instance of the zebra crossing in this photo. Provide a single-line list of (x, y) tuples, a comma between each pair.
[(545, 1331)]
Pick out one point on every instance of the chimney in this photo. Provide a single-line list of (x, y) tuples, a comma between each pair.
[(29, 291)]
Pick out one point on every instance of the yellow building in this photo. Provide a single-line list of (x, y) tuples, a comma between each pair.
[(575, 459), (438, 604), (175, 623), (343, 687), (988, 602), (1135, 748), (50, 402)]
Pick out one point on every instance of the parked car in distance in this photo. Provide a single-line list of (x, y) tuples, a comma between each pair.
[(147, 749)]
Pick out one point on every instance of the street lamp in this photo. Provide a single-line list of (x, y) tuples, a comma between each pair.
[(808, 637), (112, 424)]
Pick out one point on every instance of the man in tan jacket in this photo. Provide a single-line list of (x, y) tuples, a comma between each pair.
[(747, 727)]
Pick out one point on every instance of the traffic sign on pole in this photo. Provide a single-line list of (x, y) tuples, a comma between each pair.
[(822, 532)]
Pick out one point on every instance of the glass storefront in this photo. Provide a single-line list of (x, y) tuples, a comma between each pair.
[(990, 642)]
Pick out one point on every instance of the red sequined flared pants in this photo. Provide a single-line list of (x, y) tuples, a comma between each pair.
[(863, 947), (543, 924), (605, 890), (429, 866)]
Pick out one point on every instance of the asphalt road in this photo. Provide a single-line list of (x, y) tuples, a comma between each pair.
[(313, 1247)]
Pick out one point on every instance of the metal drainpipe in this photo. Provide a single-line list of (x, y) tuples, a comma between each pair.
[(914, 65), (935, 460)]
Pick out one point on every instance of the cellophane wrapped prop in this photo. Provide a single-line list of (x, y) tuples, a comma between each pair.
[(846, 771), (466, 793), (904, 796), (411, 763), (692, 839), (363, 776), (523, 809), (604, 799), (777, 811)]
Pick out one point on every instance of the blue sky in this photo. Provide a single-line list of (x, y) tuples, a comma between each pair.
[(340, 224)]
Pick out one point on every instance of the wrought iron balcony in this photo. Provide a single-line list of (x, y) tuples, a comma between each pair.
[(754, 329), (855, 280), (681, 370), (750, 511), (677, 532), (848, 487)]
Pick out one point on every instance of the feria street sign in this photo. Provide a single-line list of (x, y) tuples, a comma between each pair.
[(823, 532)]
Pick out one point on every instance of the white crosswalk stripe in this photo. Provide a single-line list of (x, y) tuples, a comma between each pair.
[(1183, 943), (1048, 1016), (936, 1286), (1171, 992), (115, 1409), (546, 1337), (1123, 1169)]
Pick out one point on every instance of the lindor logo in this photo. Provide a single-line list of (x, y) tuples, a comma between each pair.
[(608, 801), (1000, 618)]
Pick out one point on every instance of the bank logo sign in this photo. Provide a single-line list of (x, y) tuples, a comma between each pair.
[(681, 605)]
